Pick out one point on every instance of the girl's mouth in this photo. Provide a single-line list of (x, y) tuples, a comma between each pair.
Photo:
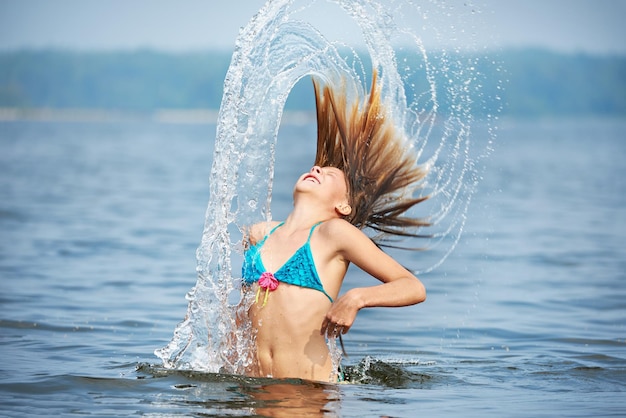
[(311, 177)]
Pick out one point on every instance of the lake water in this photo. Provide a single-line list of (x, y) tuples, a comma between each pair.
[(98, 229)]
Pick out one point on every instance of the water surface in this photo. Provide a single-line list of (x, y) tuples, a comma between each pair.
[(99, 224)]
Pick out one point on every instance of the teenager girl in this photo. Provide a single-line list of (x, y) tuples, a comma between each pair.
[(364, 177)]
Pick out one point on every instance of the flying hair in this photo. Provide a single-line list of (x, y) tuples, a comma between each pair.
[(380, 167)]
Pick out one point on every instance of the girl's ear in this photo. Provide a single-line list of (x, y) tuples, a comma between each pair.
[(343, 209)]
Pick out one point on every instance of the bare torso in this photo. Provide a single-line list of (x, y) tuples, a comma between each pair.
[(288, 338)]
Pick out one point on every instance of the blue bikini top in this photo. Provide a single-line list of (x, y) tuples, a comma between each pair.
[(299, 270)]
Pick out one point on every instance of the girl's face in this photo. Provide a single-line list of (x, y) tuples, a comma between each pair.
[(328, 182)]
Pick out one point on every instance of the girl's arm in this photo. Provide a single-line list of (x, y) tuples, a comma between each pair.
[(399, 286)]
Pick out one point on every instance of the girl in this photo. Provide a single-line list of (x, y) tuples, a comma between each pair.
[(363, 177)]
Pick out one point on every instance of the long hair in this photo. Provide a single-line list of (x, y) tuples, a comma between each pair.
[(380, 168)]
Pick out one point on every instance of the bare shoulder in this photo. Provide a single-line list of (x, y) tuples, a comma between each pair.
[(354, 246), (337, 225), (342, 232), (258, 231)]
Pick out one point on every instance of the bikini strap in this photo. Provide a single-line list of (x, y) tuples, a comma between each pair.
[(274, 229), (270, 233), (312, 229), (281, 224)]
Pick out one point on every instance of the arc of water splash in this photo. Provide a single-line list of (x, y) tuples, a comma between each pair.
[(377, 36), (254, 95), (272, 54)]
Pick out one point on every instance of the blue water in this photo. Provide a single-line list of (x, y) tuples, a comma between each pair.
[(98, 229)]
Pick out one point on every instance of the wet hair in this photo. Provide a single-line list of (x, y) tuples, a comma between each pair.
[(380, 167)]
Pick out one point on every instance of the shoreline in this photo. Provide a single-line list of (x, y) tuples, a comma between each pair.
[(173, 116), (210, 116)]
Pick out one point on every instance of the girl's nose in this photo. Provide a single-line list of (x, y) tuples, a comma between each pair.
[(316, 169)]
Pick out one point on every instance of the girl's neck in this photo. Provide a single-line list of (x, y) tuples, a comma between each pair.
[(306, 214)]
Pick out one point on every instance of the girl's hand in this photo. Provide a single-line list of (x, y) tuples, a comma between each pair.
[(341, 314)]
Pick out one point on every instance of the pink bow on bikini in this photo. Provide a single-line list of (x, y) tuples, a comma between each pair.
[(268, 282)]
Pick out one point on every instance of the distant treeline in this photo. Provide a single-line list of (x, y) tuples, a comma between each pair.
[(522, 82)]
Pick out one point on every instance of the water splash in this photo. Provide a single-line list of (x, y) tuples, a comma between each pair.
[(273, 52), (372, 371)]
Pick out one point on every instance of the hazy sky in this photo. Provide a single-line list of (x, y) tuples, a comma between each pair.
[(596, 26)]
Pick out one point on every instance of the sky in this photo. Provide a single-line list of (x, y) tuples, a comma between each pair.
[(590, 26)]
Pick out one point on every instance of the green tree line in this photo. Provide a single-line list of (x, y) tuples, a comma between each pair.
[(521, 82)]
